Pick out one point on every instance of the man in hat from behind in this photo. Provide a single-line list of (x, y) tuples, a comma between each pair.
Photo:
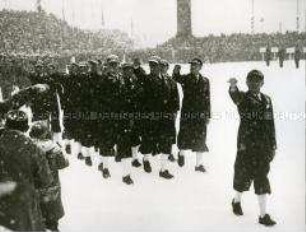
[(23, 163), (52, 210), (195, 113), (256, 143)]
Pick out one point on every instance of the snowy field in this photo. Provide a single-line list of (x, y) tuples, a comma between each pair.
[(194, 201)]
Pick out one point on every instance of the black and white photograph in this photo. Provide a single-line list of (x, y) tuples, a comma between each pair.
[(152, 115)]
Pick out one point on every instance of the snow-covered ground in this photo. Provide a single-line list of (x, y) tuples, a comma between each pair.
[(202, 202)]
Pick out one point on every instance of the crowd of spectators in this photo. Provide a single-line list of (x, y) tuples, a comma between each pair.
[(27, 32), (223, 48)]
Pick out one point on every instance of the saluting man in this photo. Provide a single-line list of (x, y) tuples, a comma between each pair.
[(195, 113), (256, 143)]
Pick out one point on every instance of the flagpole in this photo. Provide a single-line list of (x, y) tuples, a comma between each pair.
[(102, 16), (253, 18)]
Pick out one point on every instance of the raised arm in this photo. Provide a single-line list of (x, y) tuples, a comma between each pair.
[(176, 74), (235, 93)]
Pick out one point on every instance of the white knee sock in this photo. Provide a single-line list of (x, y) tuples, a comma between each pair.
[(92, 151), (238, 197), (127, 166), (135, 152), (85, 151), (77, 147), (199, 159), (183, 152), (105, 162), (146, 157), (174, 150), (262, 200), (100, 160), (163, 162)]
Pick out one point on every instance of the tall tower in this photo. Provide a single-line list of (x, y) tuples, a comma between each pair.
[(184, 26), (39, 6)]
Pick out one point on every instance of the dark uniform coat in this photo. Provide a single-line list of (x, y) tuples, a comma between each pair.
[(171, 107), (106, 102), (159, 104), (129, 113), (195, 112), (71, 102), (89, 104), (21, 161), (256, 141), (140, 73)]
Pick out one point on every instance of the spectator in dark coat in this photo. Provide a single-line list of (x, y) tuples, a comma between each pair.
[(195, 113), (52, 210), (256, 143), (22, 162)]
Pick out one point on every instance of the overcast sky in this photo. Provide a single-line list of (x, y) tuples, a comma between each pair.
[(155, 20)]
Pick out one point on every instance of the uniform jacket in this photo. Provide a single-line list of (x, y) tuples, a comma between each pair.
[(256, 128), (160, 94), (196, 99)]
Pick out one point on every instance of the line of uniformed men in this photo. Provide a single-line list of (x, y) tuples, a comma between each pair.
[(119, 110)]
